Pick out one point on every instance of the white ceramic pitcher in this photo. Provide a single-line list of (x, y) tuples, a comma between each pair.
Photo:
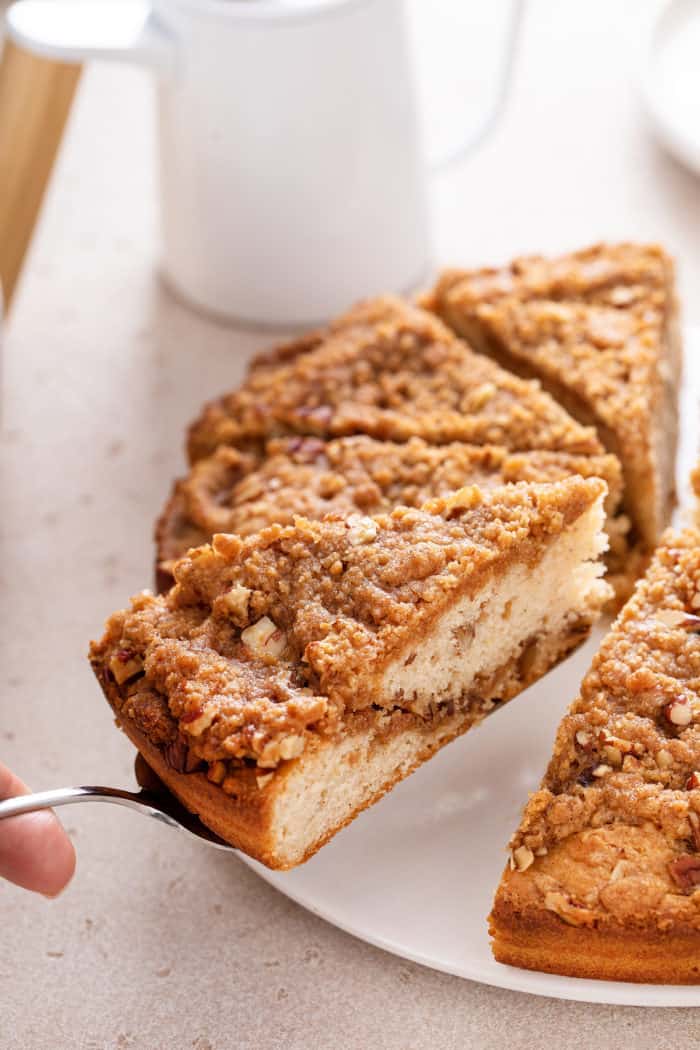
[(292, 173)]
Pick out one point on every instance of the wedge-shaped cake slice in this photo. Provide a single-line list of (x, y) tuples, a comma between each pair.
[(391, 371), (599, 329), (242, 492), (604, 879), (289, 679)]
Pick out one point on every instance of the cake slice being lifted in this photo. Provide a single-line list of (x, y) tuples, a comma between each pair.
[(599, 328), (604, 879), (242, 492), (291, 678)]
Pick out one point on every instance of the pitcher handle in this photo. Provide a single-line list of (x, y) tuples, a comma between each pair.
[(491, 118), (75, 30)]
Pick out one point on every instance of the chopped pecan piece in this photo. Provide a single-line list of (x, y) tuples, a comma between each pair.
[(679, 713), (694, 821), (216, 772), (196, 721), (678, 618), (362, 530), (235, 601), (521, 858), (193, 762), (562, 905), (291, 747), (175, 754), (612, 755), (623, 746), (685, 871), (124, 665), (264, 638)]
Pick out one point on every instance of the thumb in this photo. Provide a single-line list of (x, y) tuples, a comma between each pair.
[(35, 851)]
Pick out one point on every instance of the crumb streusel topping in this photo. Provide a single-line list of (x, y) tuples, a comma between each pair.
[(614, 832), (391, 371), (240, 492), (268, 638), (595, 317), (595, 326)]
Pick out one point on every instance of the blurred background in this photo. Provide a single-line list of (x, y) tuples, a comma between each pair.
[(571, 159)]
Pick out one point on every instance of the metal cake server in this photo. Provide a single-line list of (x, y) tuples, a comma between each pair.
[(153, 800)]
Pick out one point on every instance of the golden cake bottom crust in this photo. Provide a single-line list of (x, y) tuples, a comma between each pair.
[(538, 940)]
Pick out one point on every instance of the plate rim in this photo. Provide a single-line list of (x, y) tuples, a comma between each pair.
[(511, 978)]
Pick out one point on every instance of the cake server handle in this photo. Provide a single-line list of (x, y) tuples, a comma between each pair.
[(165, 809)]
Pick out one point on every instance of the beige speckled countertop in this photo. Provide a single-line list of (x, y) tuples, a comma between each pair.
[(158, 943)]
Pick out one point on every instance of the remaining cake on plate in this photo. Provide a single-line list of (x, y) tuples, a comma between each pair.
[(291, 678), (390, 371), (242, 492), (599, 328), (604, 879)]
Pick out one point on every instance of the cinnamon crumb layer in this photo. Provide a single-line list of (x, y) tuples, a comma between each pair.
[(611, 841), (242, 492), (391, 371), (268, 638), (599, 328)]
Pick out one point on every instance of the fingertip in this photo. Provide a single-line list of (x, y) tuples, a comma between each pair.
[(37, 854), (54, 865)]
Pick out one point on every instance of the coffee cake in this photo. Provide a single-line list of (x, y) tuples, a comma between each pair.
[(242, 492), (391, 371), (604, 877), (290, 678), (599, 329)]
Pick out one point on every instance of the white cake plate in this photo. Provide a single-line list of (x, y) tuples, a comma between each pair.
[(416, 874)]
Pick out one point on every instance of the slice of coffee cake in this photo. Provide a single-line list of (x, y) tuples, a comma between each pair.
[(599, 329), (391, 371), (604, 879), (242, 492), (291, 678)]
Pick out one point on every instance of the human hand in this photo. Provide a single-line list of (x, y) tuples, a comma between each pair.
[(35, 851)]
